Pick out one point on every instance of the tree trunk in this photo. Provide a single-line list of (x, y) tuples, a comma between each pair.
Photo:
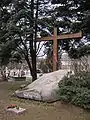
[(34, 52), (33, 46), (30, 68), (3, 74)]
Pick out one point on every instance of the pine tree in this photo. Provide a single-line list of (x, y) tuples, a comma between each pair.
[(71, 16), (20, 29)]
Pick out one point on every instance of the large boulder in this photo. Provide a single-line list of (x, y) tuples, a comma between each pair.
[(44, 88)]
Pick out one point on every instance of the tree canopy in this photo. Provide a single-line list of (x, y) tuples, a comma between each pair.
[(20, 20), (72, 16)]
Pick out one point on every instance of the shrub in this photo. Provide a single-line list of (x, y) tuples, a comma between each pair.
[(75, 89)]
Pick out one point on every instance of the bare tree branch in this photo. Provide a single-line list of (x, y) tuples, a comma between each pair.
[(42, 55), (40, 48)]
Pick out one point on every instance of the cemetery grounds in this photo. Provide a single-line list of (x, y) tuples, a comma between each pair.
[(36, 110)]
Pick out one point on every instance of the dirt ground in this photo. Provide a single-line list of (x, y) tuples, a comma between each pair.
[(37, 110)]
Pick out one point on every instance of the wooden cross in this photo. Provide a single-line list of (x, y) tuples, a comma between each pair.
[(55, 39)]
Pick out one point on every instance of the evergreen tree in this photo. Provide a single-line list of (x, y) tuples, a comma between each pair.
[(71, 16), (21, 19), (19, 33)]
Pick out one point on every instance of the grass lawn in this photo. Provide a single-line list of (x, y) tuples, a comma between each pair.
[(36, 110)]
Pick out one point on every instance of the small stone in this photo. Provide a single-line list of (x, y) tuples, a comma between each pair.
[(22, 86)]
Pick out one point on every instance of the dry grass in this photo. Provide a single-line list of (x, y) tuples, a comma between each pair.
[(37, 110)]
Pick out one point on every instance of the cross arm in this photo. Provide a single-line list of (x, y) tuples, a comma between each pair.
[(61, 37), (70, 36)]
